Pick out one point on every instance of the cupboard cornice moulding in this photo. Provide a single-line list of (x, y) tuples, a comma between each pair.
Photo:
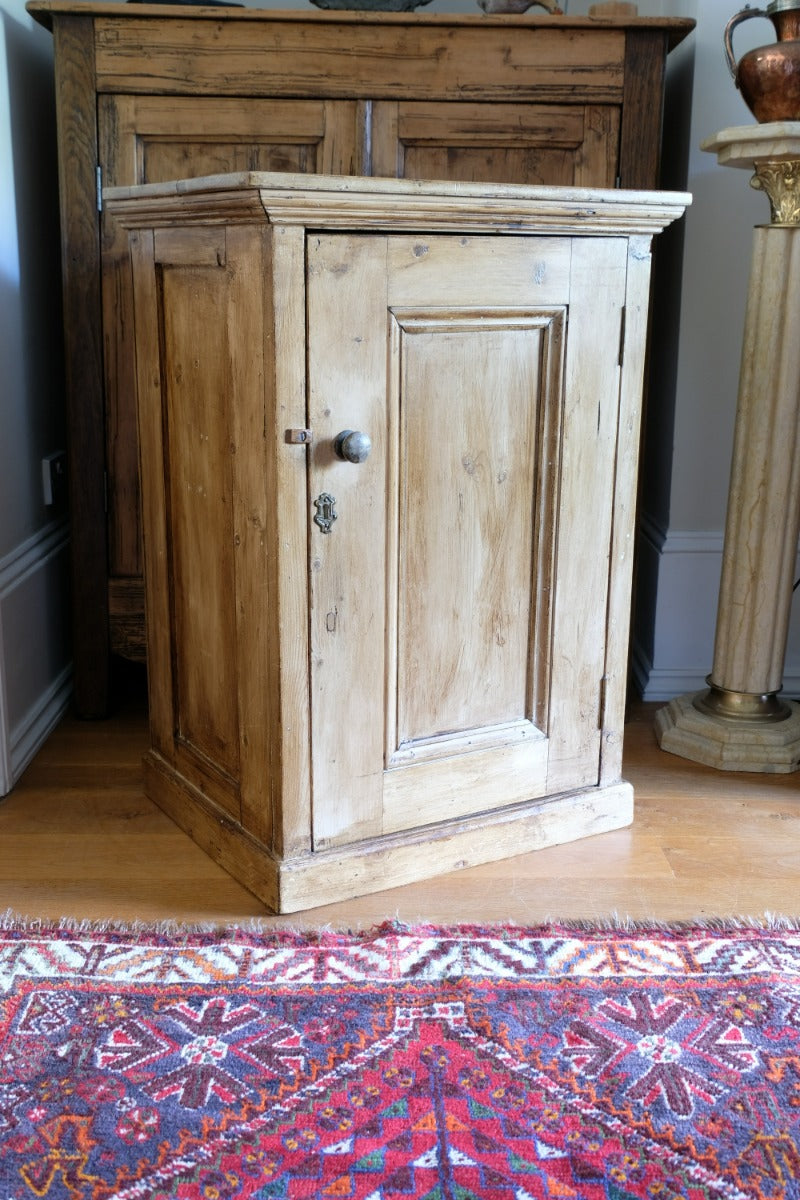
[(392, 204)]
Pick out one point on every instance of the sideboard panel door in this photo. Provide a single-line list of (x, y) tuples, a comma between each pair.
[(147, 92), (571, 145), (434, 596), (150, 139)]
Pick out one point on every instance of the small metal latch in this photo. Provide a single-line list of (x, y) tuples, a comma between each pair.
[(299, 437)]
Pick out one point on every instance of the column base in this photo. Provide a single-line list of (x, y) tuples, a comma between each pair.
[(728, 743)]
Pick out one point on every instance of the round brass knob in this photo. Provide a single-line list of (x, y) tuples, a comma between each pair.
[(352, 445)]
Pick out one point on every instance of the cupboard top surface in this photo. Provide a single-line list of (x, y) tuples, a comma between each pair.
[(321, 201)]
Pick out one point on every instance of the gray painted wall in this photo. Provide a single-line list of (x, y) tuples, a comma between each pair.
[(34, 644)]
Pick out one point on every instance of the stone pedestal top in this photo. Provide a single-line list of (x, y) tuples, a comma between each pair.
[(745, 145), (772, 152)]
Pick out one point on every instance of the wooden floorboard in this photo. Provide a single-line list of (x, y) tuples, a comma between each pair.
[(79, 840)]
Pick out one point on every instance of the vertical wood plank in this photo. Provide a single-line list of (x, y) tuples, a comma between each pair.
[(246, 317), (387, 147), (197, 407), (154, 491), (347, 382), (642, 107), (288, 519), (624, 506), (597, 158), (80, 266), (587, 482), (341, 149), (118, 154)]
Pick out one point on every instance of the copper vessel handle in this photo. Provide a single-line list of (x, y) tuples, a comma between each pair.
[(735, 20)]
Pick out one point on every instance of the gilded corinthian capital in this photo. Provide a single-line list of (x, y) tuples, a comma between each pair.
[(781, 182)]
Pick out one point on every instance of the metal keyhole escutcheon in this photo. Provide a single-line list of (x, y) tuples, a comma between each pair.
[(352, 445), (326, 511)]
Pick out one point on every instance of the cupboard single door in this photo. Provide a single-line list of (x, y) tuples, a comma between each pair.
[(150, 139), (569, 145), (458, 598)]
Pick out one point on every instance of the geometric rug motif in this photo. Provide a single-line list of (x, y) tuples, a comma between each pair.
[(554, 1063)]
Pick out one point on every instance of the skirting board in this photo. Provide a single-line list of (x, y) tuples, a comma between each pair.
[(35, 667), (683, 570)]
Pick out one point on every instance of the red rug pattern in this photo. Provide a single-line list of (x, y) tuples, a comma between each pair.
[(538, 1064)]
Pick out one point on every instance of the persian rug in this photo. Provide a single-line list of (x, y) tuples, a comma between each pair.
[(554, 1062)]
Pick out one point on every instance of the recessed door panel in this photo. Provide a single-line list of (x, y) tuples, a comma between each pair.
[(434, 589), (466, 494), (199, 466), (566, 144)]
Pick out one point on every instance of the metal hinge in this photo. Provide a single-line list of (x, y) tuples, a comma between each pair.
[(601, 719), (623, 312), (99, 184)]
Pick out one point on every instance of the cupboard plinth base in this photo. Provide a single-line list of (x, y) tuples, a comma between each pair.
[(329, 876), (727, 743)]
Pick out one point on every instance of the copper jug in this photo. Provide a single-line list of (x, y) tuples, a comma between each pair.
[(769, 76)]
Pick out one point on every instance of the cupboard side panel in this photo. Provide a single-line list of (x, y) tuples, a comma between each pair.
[(597, 296), (198, 454), (625, 497), (206, 433), (248, 400)]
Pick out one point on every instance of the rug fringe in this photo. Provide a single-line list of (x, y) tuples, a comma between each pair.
[(10, 921)]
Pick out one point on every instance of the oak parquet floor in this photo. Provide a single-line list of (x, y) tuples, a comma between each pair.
[(78, 839)]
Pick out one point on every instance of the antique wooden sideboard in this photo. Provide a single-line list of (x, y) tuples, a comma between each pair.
[(147, 93)]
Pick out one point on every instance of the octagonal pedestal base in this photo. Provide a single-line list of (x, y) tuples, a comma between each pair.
[(727, 743)]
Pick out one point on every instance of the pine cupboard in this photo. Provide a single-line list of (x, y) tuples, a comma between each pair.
[(147, 93), (388, 439)]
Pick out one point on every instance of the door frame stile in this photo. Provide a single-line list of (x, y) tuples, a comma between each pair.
[(292, 778)]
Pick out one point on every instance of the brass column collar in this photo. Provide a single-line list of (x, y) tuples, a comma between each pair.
[(781, 182), (741, 706)]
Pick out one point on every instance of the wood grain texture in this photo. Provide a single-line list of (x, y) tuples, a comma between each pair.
[(518, 143), (151, 139), (149, 93), (80, 269), (448, 609), (583, 573), (371, 59), (286, 398), (623, 528), (642, 109), (347, 380)]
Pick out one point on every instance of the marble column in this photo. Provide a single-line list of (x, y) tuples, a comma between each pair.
[(740, 722)]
